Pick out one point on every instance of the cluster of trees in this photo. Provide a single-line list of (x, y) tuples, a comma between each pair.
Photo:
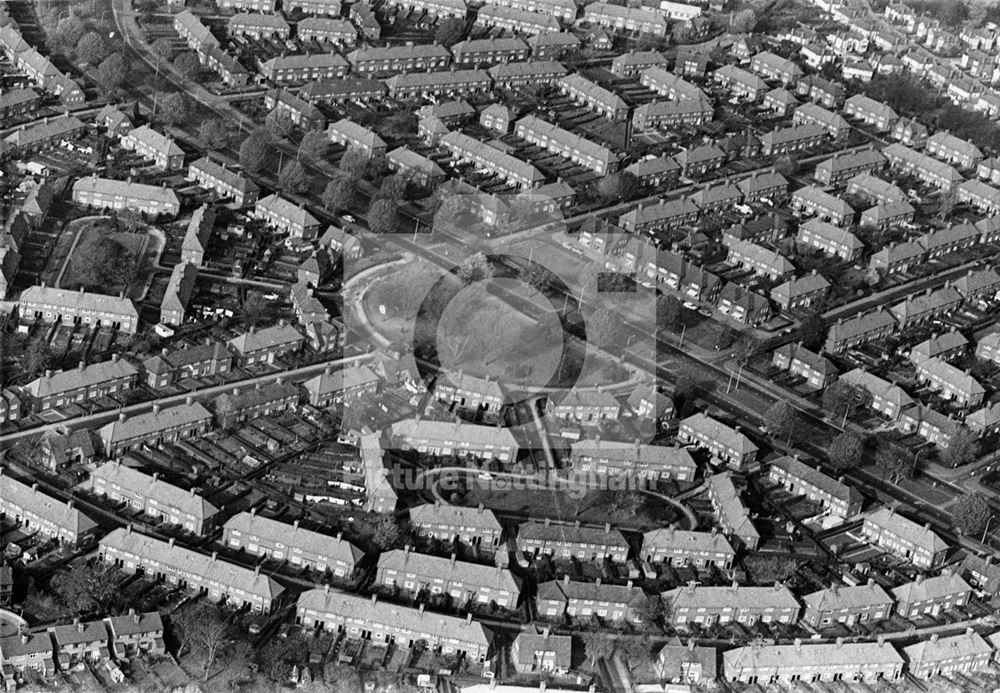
[(950, 12), (101, 261), (618, 186), (910, 97)]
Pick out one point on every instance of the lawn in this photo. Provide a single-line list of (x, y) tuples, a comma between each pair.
[(480, 333), (74, 270)]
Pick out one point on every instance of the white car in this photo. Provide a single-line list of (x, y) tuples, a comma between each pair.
[(348, 218)]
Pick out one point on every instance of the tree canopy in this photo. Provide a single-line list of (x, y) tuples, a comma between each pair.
[(845, 451), (92, 48), (450, 31), (173, 108), (972, 511), (383, 216), (340, 193), (100, 261), (88, 588), (255, 151), (112, 74), (293, 178)]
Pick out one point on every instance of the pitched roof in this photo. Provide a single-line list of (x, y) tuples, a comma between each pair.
[(210, 569), (878, 387), (287, 209), (841, 597), (423, 624), (410, 562), (646, 456), (567, 138), (60, 514), (340, 380), (860, 325), (219, 171), (295, 538), (454, 431), (800, 470), (266, 338), (671, 538), (80, 377), (925, 588), (809, 657), (115, 475), (912, 532), (458, 516), (720, 432), (736, 597), (948, 648), (108, 187), (150, 423)]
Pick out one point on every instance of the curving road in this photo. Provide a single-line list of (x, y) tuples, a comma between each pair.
[(540, 481)]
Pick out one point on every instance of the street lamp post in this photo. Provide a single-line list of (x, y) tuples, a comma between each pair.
[(987, 528)]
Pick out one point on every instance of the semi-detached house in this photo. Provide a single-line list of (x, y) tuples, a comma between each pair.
[(954, 150), (518, 74), (733, 516), (365, 618), (595, 97), (931, 596), (279, 541), (442, 82), (813, 114), (811, 200), (833, 495), (49, 304), (617, 17), (454, 438), (796, 138), (830, 239), (801, 292), (577, 149), (28, 507), (563, 9), (846, 334), (951, 656), (372, 60), (742, 604), (928, 169), (566, 541), (107, 193), (485, 156), (411, 573), (950, 382), (844, 165), (85, 383), (679, 547), (904, 538), (847, 604), (301, 68), (148, 143), (726, 443), (790, 664), (155, 426), (354, 136), (287, 217), (221, 580), (888, 399), (517, 21), (337, 31), (655, 462), (582, 601), (153, 496), (226, 183), (478, 527), (489, 51)]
